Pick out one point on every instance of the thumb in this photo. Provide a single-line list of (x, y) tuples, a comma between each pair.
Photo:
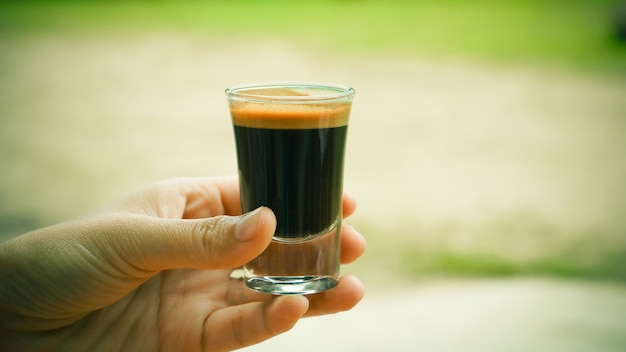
[(221, 242)]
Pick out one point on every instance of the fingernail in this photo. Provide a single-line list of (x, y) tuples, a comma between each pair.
[(248, 226)]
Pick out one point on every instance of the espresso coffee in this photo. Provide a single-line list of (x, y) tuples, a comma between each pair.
[(290, 159), (298, 173), (290, 151)]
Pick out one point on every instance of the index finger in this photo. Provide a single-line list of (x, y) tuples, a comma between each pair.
[(221, 196), (207, 197)]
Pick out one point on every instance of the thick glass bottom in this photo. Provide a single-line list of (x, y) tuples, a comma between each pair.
[(292, 285), (297, 267)]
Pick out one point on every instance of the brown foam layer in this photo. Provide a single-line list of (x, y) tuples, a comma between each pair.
[(287, 116)]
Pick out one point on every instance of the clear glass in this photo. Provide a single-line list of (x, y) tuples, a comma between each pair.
[(290, 140)]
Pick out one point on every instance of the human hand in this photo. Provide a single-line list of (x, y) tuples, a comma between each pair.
[(153, 272)]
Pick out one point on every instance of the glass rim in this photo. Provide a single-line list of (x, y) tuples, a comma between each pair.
[(334, 92)]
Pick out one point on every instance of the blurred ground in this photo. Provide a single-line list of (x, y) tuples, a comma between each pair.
[(478, 315), (518, 162)]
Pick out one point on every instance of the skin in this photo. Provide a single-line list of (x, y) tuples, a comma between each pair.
[(151, 272)]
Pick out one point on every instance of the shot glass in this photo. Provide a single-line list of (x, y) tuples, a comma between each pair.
[(290, 140)]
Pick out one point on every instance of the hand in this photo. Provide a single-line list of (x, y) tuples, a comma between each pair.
[(152, 272)]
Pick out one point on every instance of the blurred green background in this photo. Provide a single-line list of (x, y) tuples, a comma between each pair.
[(579, 33), (487, 137)]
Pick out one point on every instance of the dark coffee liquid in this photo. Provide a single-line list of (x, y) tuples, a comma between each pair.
[(298, 173)]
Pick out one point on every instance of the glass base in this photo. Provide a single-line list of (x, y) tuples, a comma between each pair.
[(292, 285)]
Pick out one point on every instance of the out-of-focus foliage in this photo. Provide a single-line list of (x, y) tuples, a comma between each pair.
[(577, 32)]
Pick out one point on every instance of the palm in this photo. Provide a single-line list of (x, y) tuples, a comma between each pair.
[(183, 309)]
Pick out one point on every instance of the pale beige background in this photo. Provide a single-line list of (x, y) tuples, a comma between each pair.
[(521, 161)]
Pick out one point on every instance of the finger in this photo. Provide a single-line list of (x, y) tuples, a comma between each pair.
[(352, 245), (207, 197), (221, 242), (239, 326), (188, 198), (342, 297), (349, 204), (203, 194)]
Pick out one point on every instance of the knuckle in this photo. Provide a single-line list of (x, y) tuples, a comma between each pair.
[(211, 235)]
